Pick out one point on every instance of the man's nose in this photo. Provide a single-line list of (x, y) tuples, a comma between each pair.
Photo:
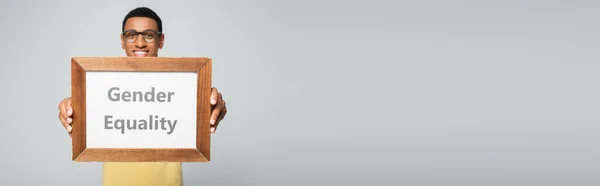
[(140, 42)]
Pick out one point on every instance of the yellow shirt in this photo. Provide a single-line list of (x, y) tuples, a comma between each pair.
[(142, 173)]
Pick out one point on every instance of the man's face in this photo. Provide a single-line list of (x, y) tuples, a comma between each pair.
[(137, 45)]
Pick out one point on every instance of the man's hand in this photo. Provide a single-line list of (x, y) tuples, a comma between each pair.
[(218, 109), (64, 114)]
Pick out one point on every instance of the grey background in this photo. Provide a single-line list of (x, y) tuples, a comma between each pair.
[(334, 92)]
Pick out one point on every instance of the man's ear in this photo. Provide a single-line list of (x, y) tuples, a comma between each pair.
[(122, 41), (161, 41)]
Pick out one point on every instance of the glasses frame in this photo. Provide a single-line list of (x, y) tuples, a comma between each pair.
[(157, 33)]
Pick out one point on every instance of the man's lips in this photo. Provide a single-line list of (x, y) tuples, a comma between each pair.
[(140, 53)]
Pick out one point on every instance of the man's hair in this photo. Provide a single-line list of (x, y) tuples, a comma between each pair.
[(143, 12)]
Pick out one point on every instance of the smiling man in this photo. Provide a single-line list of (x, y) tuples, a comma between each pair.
[(142, 36)]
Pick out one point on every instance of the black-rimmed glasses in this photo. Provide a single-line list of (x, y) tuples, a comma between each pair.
[(148, 35)]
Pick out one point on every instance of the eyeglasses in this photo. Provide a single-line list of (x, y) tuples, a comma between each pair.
[(148, 35)]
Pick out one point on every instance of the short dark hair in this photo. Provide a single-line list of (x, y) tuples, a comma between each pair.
[(143, 12)]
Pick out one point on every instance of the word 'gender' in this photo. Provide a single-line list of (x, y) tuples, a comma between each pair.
[(115, 95)]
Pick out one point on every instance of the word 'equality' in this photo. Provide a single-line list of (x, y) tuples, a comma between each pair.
[(152, 123)]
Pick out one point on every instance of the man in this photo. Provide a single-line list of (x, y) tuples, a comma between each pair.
[(142, 37)]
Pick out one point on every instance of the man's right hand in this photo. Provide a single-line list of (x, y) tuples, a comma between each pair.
[(65, 113)]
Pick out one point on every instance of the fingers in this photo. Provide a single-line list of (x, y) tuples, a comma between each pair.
[(214, 96), (213, 128), (218, 109), (65, 113), (223, 112), (66, 110), (65, 123), (69, 108), (63, 109), (215, 114)]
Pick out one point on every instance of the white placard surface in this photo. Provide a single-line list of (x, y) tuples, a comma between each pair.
[(141, 109)]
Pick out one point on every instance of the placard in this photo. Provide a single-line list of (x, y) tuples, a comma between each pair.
[(141, 109)]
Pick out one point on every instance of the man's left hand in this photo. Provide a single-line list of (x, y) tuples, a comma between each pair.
[(218, 109)]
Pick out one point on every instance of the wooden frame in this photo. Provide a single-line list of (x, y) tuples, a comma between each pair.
[(201, 65)]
